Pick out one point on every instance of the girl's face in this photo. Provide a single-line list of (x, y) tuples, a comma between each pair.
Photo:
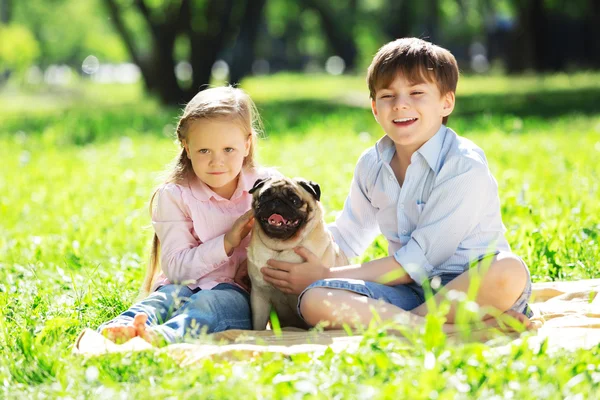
[(217, 148)]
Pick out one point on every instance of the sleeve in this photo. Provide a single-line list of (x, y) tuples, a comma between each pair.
[(454, 209), (356, 227), (184, 259)]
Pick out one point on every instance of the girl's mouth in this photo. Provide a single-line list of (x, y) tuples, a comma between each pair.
[(404, 121)]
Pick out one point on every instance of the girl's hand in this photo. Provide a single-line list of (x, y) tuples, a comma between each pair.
[(241, 276), (293, 278), (240, 229)]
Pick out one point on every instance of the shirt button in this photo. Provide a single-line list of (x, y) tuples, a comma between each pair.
[(391, 178), (401, 206), (404, 232)]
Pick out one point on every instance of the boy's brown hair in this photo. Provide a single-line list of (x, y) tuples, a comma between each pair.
[(415, 59)]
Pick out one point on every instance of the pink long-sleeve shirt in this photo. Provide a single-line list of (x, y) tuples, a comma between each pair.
[(191, 221)]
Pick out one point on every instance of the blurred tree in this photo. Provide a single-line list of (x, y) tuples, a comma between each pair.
[(18, 50), (85, 32), (5, 11), (553, 35), (208, 26), (244, 49), (398, 17), (338, 20)]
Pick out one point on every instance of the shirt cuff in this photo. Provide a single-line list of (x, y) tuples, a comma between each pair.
[(214, 254), (412, 259)]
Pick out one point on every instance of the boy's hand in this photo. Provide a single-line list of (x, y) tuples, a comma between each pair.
[(293, 278), (240, 229), (241, 276)]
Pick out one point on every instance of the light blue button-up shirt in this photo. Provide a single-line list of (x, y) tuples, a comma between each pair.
[(445, 215)]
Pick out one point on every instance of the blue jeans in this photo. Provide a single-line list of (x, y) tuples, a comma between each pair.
[(178, 313), (406, 297)]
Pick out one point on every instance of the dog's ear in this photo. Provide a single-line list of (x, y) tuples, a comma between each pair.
[(311, 187), (258, 184)]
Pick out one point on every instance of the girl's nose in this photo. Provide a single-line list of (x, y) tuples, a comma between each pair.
[(216, 160)]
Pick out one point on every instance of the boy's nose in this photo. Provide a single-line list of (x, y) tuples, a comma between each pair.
[(401, 103)]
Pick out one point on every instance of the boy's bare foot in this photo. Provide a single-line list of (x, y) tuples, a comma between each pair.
[(502, 324), (119, 333), (146, 332)]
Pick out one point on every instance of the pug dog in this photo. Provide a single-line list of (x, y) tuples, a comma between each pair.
[(287, 214)]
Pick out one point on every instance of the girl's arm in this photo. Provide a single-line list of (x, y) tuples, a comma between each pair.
[(184, 258)]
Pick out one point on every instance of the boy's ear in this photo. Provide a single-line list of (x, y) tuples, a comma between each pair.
[(449, 101), (374, 109)]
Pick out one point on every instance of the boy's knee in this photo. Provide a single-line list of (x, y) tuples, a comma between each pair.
[(510, 273), (313, 305)]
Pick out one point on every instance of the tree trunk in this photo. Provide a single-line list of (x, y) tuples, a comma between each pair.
[(179, 17), (594, 37), (432, 21), (5, 11), (206, 44), (538, 23), (338, 29), (243, 50), (398, 19)]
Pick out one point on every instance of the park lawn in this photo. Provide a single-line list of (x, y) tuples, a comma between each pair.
[(78, 167)]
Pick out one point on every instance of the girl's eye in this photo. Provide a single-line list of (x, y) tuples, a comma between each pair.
[(229, 149), (203, 151), (416, 92)]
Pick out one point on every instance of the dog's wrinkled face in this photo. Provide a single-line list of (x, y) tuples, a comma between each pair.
[(283, 206)]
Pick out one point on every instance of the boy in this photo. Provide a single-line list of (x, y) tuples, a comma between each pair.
[(431, 194)]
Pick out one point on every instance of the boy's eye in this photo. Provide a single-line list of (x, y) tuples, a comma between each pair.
[(203, 151), (416, 92), (228, 149), (386, 96)]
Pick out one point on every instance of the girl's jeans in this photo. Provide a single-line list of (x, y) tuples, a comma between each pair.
[(179, 313)]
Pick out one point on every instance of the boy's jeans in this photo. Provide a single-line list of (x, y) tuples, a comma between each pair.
[(179, 313)]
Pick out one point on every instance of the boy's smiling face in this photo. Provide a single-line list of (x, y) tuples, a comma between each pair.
[(411, 113)]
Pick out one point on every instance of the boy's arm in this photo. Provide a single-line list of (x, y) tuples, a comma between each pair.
[(356, 226), (295, 277), (184, 259)]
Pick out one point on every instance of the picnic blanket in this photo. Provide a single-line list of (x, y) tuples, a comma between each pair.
[(569, 313)]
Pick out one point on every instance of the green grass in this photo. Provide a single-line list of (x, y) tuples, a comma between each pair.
[(78, 166)]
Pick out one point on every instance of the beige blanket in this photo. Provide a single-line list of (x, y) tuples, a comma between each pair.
[(569, 311)]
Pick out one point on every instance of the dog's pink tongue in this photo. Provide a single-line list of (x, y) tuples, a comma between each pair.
[(276, 219)]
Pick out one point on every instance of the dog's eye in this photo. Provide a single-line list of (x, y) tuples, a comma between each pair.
[(296, 201)]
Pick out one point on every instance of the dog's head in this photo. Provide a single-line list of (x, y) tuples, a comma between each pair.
[(283, 207)]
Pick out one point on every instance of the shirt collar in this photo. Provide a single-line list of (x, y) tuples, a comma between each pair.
[(202, 192), (430, 150)]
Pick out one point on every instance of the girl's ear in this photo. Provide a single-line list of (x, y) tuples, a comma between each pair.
[(247, 145), (449, 101), (186, 147)]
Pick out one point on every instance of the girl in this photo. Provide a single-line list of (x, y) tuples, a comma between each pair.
[(201, 220)]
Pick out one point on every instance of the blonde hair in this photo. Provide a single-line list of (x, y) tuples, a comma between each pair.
[(227, 103)]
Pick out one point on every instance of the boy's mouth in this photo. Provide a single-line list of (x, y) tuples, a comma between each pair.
[(404, 121)]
